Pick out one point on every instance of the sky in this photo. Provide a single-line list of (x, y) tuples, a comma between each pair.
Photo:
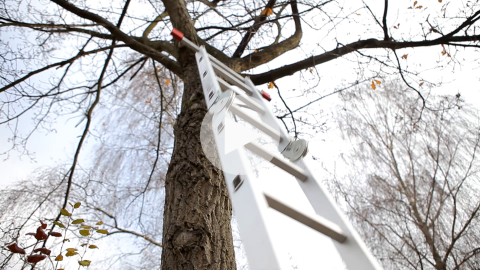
[(307, 248)]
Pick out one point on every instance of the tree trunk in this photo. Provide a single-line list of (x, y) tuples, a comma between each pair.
[(196, 231)]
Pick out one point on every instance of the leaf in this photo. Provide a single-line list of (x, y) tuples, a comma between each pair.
[(149, 101), (255, 51), (55, 234), (420, 84), (167, 81), (78, 221), (59, 258), (66, 240), (84, 232), (373, 85), (311, 70), (16, 249), (65, 212), (92, 246), (71, 249), (99, 223), (419, 7), (84, 263), (45, 251), (405, 56), (59, 224), (271, 85), (86, 227), (377, 81), (102, 231), (44, 225), (71, 253), (40, 235), (439, 1), (82, 245), (36, 258), (414, 3), (234, 43), (77, 205), (267, 12)]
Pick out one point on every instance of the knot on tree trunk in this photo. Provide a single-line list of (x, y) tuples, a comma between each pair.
[(187, 239)]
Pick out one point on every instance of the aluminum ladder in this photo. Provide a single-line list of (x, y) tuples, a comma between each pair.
[(249, 201)]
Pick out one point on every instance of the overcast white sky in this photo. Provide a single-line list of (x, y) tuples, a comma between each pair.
[(309, 249)]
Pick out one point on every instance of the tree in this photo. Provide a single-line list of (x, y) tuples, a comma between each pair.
[(93, 42), (412, 176)]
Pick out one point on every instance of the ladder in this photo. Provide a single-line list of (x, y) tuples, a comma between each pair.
[(249, 201)]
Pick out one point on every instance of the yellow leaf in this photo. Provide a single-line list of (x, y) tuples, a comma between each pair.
[(267, 12), (78, 221), (255, 51), (92, 246), (102, 231), (373, 85), (405, 56), (358, 14), (270, 85), (65, 212), (84, 263), (71, 253), (414, 3), (167, 81), (419, 7), (234, 43), (77, 205), (84, 232), (66, 240), (59, 224), (59, 258), (378, 82), (86, 227), (71, 249), (99, 223)]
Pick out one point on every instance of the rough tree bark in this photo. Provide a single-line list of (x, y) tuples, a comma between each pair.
[(197, 232)]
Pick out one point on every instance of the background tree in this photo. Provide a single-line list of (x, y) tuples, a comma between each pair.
[(413, 178), (84, 48)]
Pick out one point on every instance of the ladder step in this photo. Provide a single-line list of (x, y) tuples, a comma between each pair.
[(252, 104), (275, 134), (315, 222), (277, 160), (231, 79)]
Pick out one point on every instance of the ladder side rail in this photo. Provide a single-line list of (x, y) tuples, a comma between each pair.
[(354, 252), (249, 205)]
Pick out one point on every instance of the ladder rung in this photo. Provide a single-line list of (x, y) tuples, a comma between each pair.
[(275, 134), (315, 222), (252, 104), (277, 160), (231, 79)]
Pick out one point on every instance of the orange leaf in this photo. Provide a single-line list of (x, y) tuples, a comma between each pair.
[(439, 1), (421, 84), (150, 100), (255, 51), (419, 7), (373, 85), (405, 56), (270, 85), (267, 12), (311, 70), (414, 3), (377, 81), (167, 81)]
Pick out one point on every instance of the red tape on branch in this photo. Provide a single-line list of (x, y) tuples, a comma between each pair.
[(177, 34), (266, 96)]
